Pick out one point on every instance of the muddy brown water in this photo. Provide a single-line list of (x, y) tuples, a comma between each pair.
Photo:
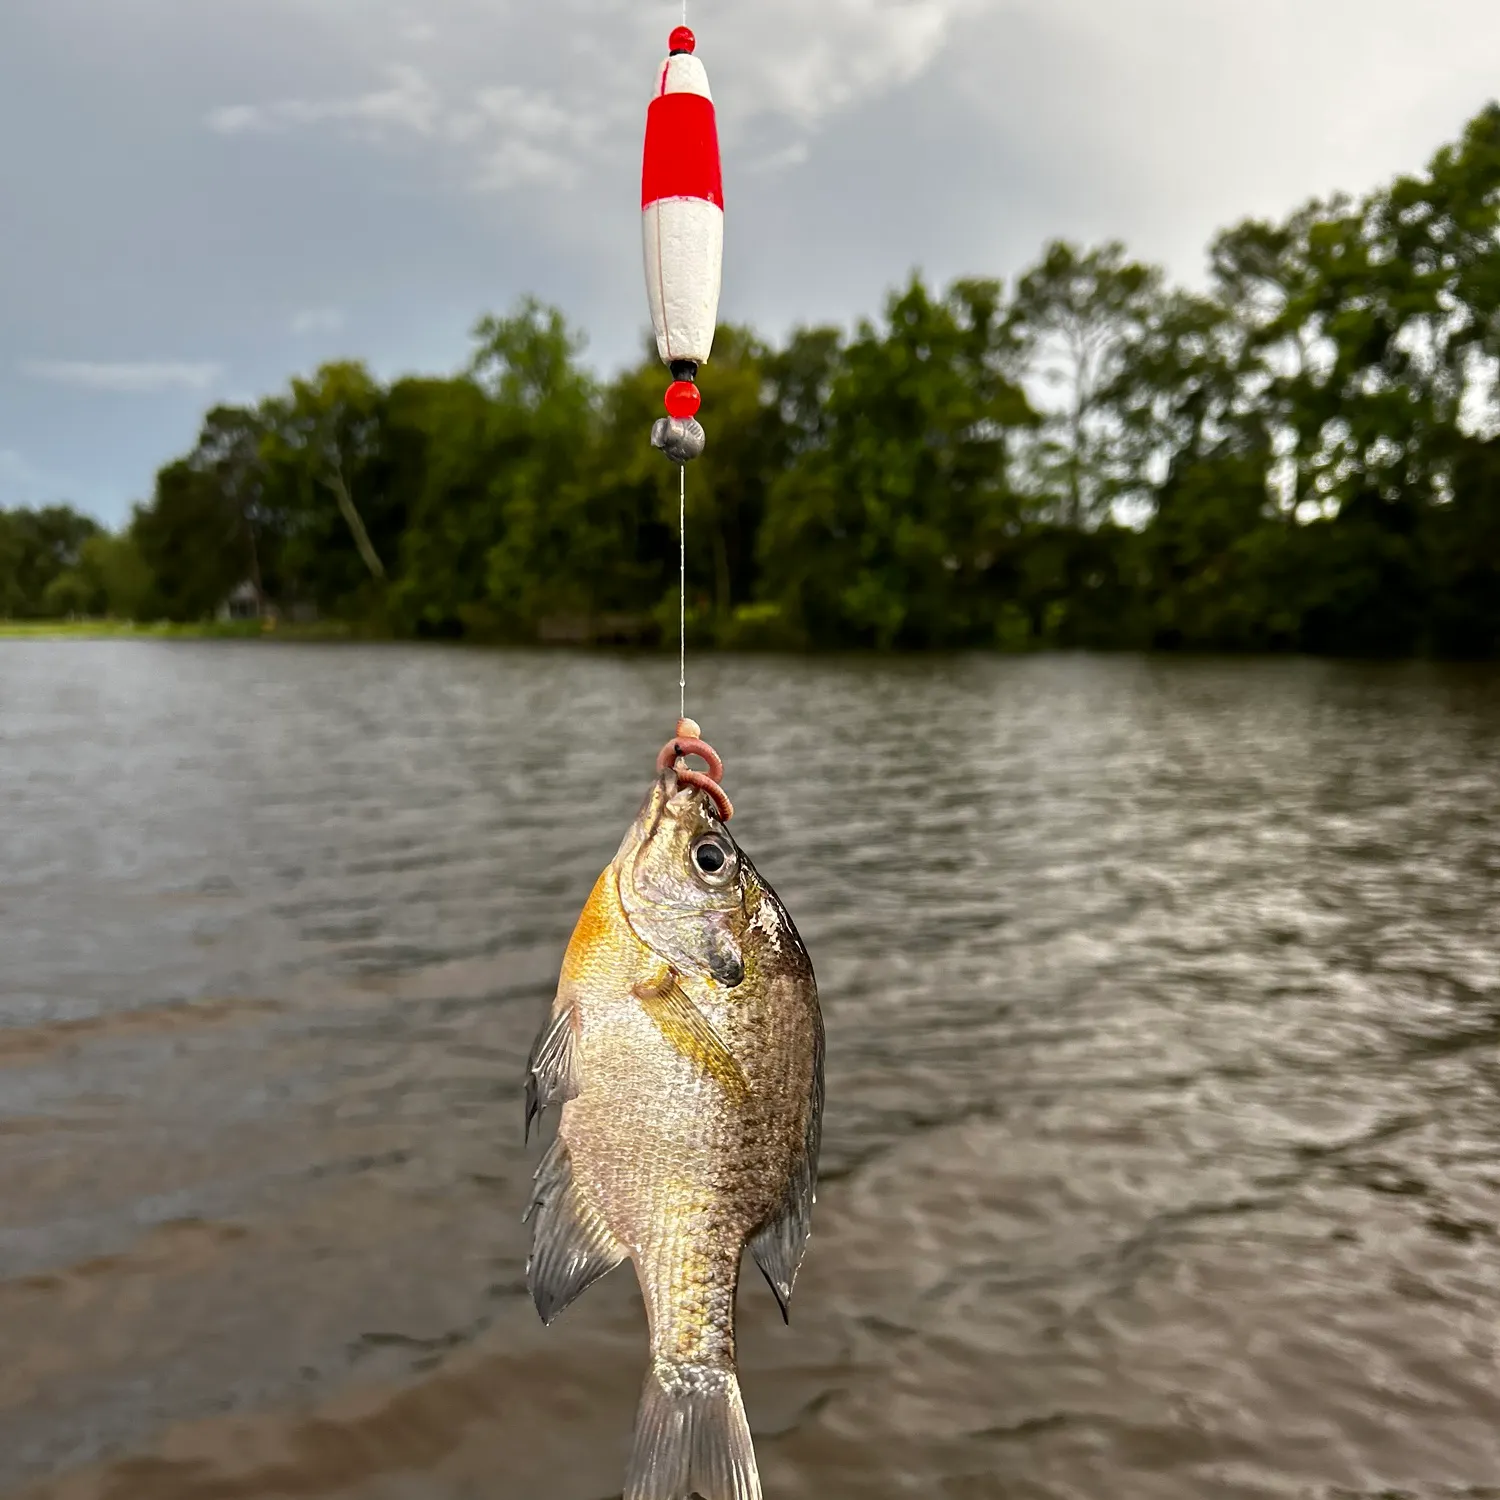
[(1163, 1140)]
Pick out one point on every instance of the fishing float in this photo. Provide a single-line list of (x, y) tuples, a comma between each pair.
[(682, 224)]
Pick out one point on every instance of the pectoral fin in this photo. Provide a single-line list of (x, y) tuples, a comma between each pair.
[(692, 1034), (571, 1246), (551, 1072)]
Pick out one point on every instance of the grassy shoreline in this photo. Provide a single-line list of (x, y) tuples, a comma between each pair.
[(234, 630)]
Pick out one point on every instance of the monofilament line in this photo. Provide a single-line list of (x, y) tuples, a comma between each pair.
[(682, 559), (682, 581)]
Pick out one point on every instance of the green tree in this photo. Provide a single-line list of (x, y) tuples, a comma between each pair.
[(37, 547), (437, 443), (881, 534), (1464, 556), (116, 575), (191, 545), (544, 561), (323, 460), (230, 456), (1074, 316)]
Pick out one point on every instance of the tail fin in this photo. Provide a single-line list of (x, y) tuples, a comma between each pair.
[(691, 1437)]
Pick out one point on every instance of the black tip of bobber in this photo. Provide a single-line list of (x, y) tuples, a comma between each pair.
[(684, 369)]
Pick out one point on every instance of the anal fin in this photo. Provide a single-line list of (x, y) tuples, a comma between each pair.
[(779, 1246), (571, 1246), (551, 1070)]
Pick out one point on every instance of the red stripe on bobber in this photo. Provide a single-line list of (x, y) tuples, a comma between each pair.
[(682, 151)]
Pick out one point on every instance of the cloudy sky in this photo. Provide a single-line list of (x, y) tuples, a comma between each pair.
[(199, 197)]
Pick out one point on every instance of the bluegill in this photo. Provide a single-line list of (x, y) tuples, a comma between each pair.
[(685, 1046)]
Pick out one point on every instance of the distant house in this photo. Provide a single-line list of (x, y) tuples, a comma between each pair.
[(244, 603)]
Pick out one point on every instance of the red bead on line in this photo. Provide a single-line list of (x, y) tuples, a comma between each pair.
[(683, 399), (682, 40)]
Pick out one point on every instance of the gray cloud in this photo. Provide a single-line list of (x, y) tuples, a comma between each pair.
[(318, 320), (126, 378), (407, 103), (282, 181)]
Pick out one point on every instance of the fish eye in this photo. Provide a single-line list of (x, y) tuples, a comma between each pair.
[(711, 856)]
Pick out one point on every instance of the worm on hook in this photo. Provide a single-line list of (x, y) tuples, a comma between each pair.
[(689, 741)]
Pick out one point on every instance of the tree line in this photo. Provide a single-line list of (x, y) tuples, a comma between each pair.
[(1304, 456)]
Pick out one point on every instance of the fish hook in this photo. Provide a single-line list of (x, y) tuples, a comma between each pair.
[(689, 741)]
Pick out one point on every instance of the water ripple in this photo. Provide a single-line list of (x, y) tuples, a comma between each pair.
[(1163, 1003)]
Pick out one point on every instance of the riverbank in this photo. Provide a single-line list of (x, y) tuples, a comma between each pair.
[(162, 630)]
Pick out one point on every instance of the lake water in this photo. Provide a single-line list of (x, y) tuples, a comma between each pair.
[(1163, 1138)]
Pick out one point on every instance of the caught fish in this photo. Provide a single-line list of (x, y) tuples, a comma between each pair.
[(686, 1049)]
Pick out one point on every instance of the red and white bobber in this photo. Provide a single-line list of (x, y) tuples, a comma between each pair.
[(682, 214)]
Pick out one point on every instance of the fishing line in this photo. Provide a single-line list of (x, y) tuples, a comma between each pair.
[(682, 580), (682, 559)]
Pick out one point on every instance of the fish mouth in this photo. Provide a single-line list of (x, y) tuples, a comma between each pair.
[(663, 789), (669, 784)]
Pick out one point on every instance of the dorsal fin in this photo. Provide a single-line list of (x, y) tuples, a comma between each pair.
[(551, 1071)]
